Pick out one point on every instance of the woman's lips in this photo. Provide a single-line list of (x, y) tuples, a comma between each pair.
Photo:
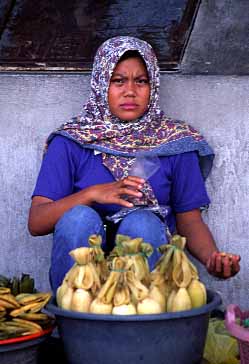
[(129, 106)]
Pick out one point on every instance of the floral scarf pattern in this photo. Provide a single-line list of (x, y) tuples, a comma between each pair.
[(119, 141)]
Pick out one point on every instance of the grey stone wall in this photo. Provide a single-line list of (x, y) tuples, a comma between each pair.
[(33, 105)]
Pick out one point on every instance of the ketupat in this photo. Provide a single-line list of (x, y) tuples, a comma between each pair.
[(82, 281), (156, 294), (125, 309), (136, 252), (81, 300), (181, 300), (122, 291), (185, 291), (149, 306), (197, 293), (130, 287)]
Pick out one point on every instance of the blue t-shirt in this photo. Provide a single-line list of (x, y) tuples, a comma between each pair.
[(68, 168)]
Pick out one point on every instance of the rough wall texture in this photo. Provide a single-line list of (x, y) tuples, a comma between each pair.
[(32, 105)]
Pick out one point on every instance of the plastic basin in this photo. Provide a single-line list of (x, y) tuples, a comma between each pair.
[(24, 350), (168, 338)]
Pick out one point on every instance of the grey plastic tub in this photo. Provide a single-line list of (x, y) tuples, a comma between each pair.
[(168, 338)]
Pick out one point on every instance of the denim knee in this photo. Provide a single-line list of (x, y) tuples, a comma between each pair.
[(72, 231), (147, 225), (79, 215)]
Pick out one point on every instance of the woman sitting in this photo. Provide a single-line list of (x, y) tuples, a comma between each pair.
[(90, 177)]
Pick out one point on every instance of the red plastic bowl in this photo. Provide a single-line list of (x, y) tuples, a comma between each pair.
[(19, 339)]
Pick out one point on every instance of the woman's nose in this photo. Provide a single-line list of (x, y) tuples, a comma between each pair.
[(130, 89)]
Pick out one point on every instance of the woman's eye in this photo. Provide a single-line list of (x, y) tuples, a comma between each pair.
[(118, 81), (143, 81)]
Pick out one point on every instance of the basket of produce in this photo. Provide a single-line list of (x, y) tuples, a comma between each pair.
[(116, 310), (23, 325), (237, 323)]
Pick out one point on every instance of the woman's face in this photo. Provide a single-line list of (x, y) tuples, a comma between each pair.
[(129, 90)]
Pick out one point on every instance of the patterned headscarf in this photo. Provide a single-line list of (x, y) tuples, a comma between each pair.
[(120, 141)]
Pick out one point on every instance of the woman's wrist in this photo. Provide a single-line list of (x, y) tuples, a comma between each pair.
[(86, 196)]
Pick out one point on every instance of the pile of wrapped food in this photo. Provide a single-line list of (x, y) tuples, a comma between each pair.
[(122, 283), (21, 308)]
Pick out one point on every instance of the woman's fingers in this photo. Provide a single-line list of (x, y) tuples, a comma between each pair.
[(211, 263), (118, 192), (223, 265), (122, 202), (227, 267), (130, 187), (230, 264), (218, 263), (130, 192), (235, 263), (132, 181)]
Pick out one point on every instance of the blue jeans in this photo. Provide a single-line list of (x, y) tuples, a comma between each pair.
[(76, 225)]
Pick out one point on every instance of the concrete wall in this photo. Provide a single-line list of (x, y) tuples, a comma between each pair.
[(33, 105)]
